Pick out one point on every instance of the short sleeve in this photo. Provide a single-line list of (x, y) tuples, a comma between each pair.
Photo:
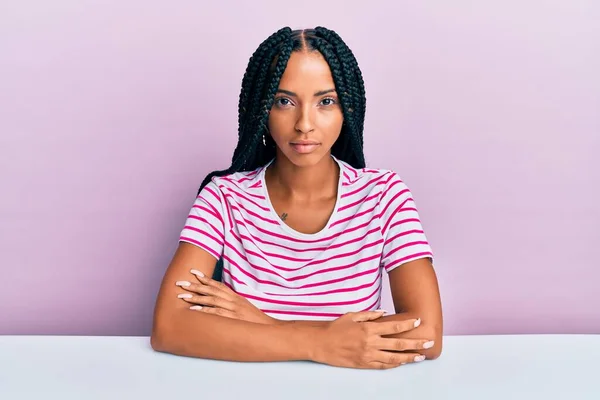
[(205, 224), (403, 235)]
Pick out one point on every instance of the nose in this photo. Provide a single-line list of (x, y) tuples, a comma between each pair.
[(304, 123)]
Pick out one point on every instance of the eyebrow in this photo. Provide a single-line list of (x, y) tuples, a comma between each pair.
[(321, 93)]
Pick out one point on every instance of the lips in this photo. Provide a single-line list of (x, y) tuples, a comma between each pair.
[(305, 147)]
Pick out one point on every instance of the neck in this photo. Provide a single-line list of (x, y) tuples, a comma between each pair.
[(306, 183)]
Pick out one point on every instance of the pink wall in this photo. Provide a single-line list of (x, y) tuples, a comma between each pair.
[(112, 112)]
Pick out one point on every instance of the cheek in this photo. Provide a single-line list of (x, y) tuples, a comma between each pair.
[(279, 123), (331, 124)]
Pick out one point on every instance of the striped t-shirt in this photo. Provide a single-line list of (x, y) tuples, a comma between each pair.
[(292, 275)]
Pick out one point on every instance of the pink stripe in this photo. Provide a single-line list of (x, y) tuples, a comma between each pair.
[(360, 214), (391, 186), (315, 304), (252, 238), (337, 280), (266, 253), (404, 221), (411, 257), (364, 186), (405, 209), (216, 196), (349, 289), (374, 305), (240, 195), (257, 196), (254, 214), (333, 246), (220, 234), (315, 314), (307, 314), (353, 170), (315, 262), (249, 175), (244, 258), (342, 290), (363, 200), (404, 233), (211, 212), (342, 255), (292, 239), (208, 203), (322, 283), (208, 235), (228, 272), (256, 185), (389, 203), (395, 212), (347, 177), (204, 246), (409, 244)]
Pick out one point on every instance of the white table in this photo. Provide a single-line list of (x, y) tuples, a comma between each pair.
[(472, 367)]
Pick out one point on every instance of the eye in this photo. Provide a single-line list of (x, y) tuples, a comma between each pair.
[(328, 101), (283, 102)]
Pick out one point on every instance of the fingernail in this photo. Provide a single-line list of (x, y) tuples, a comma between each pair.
[(196, 308), (380, 310), (198, 273), (183, 283), (402, 363), (419, 358), (417, 322), (428, 345), (184, 296)]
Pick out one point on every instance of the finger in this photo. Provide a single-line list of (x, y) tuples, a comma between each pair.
[(210, 282), (203, 289), (207, 301), (392, 327), (215, 311), (390, 358), (402, 344), (364, 316), (380, 365)]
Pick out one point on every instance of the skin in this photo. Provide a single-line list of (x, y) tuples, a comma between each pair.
[(199, 317), (306, 108)]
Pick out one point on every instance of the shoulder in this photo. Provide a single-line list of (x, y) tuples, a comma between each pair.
[(240, 182), (364, 178)]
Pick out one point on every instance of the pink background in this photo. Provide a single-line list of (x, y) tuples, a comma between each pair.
[(112, 112)]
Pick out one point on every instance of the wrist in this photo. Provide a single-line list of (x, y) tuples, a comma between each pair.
[(312, 343)]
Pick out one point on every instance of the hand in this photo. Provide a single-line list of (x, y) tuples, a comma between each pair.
[(212, 297), (352, 341)]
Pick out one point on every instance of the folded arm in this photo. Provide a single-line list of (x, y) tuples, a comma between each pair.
[(179, 330), (415, 293)]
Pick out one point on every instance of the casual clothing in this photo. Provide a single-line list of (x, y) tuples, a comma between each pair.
[(291, 275)]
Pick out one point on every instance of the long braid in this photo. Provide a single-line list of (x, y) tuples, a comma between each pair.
[(353, 77), (255, 114), (349, 60), (261, 81), (250, 123), (328, 52), (249, 79)]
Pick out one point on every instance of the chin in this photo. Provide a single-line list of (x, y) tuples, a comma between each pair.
[(305, 160)]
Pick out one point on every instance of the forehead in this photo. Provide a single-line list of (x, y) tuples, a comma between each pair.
[(306, 70)]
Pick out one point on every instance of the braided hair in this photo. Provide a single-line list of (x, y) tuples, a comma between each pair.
[(261, 81)]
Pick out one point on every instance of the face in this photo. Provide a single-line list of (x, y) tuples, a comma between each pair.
[(306, 117)]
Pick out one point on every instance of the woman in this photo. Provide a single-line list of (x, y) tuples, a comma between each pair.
[(301, 230)]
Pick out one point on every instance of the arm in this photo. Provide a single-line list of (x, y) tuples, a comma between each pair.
[(179, 330), (416, 295), (349, 341)]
